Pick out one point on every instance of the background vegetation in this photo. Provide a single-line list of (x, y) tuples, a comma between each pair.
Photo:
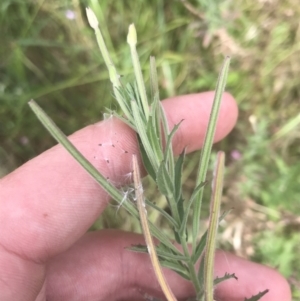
[(48, 53)]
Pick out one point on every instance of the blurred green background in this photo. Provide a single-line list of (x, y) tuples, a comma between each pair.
[(49, 53)]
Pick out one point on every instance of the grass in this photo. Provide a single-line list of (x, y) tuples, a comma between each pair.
[(48, 56)]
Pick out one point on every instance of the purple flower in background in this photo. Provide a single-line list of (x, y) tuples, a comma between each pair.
[(70, 14), (235, 155)]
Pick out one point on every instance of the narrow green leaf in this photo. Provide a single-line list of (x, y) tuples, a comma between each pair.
[(155, 104), (209, 256), (166, 249), (180, 208), (147, 164), (163, 134), (201, 244), (178, 175), (154, 82), (141, 129), (164, 182), (60, 137), (168, 153), (165, 186), (124, 102), (168, 255), (201, 272), (176, 235), (153, 137), (163, 213), (206, 150), (167, 259), (187, 210), (176, 267), (138, 100), (163, 238), (122, 118), (169, 140)]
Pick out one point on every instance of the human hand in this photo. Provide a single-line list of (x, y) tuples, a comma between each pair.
[(49, 203)]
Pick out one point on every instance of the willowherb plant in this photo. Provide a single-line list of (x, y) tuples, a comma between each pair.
[(146, 116)]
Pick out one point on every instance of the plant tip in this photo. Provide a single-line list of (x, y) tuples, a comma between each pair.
[(131, 37), (92, 19)]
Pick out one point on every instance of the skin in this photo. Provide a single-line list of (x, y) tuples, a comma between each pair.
[(48, 204)]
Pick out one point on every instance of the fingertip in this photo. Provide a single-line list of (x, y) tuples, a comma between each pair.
[(252, 279), (194, 110)]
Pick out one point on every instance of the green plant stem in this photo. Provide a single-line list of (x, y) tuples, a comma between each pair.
[(114, 77), (113, 74), (191, 266), (132, 40)]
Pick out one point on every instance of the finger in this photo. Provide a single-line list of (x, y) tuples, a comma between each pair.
[(195, 113), (119, 274), (56, 201)]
